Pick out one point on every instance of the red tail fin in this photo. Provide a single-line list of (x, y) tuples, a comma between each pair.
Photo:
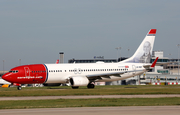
[(152, 31)]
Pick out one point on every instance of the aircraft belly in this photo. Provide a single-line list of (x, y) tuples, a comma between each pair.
[(56, 78)]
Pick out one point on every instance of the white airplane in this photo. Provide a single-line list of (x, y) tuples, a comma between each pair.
[(86, 74)]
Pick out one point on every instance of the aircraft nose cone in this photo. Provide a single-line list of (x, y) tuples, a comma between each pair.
[(5, 77)]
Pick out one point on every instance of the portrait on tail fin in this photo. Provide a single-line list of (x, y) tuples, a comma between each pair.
[(146, 57)]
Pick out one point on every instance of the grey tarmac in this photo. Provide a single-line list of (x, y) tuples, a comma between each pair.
[(130, 110), (87, 97)]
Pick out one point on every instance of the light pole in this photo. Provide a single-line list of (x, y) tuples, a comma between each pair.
[(178, 60), (19, 62), (170, 60), (3, 66), (118, 48), (169, 55), (128, 52)]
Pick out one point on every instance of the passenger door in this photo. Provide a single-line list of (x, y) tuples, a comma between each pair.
[(27, 71)]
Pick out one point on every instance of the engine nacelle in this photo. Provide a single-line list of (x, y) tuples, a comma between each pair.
[(79, 81)]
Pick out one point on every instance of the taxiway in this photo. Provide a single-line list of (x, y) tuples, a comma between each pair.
[(88, 97), (132, 110)]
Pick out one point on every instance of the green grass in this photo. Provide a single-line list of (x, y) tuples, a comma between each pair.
[(62, 103), (98, 90)]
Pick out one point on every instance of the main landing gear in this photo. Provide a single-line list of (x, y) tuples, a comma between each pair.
[(90, 85), (19, 87)]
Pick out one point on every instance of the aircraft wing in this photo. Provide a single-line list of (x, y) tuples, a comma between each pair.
[(155, 63), (105, 75), (118, 74)]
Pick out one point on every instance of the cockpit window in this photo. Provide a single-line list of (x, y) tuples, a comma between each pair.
[(14, 71)]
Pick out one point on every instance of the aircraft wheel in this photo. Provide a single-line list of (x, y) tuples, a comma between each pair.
[(19, 87), (75, 87), (90, 85)]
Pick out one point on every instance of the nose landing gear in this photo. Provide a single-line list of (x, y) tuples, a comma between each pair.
[(19, 87)]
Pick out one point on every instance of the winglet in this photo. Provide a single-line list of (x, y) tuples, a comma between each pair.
[(154, 63), (57, 61)]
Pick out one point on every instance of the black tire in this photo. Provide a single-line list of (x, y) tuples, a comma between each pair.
[(75, 87), (90, 86), (19, 87)]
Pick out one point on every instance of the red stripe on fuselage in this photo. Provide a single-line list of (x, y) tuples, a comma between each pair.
[(27, 74)]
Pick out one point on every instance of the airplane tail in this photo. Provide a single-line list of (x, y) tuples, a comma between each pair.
[(144, 52)]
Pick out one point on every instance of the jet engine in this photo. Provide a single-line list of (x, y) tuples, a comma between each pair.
[(79, 81)]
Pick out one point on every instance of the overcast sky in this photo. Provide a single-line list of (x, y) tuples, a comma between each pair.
[(35, 31)]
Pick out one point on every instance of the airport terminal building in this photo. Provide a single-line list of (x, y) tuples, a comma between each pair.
[(96, 59)]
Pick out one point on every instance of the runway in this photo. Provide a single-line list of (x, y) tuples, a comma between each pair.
[(87, 97), (132, 110), (127, 110)]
